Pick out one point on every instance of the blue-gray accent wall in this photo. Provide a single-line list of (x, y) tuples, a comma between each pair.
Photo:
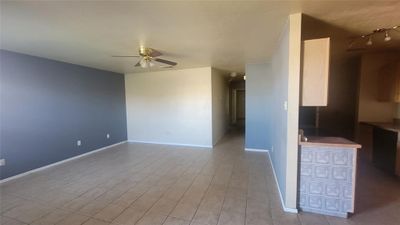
[(46, 106), (257, 107)]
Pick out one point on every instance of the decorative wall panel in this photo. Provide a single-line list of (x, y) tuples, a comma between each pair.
[(326, 180)]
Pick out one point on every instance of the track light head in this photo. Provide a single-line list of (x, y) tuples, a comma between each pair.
[(387, 37), (369, 42)]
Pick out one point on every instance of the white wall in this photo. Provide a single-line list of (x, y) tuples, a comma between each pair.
[(220, 105), (170, 107)]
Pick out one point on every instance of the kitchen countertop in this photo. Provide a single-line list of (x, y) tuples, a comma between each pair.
[(387, 126), (330, 142)]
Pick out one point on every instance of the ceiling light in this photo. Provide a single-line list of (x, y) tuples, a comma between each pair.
[(387, 37), (233, 74), (369, 42), (144, 63)]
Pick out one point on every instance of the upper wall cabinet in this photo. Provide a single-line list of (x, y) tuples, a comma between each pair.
[(315, 72), (389, 83)]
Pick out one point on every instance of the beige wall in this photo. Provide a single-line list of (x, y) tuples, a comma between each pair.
[(282, 100), (369, 108), (339, 117), (220, 105), (170, 107), (293, 109)]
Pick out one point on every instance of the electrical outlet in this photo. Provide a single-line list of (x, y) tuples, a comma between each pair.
[(108, 136), (2, 162), (79, 143)]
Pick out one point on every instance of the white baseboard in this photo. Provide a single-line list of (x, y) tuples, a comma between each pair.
[(168, 143), (255, 150), (57, 163), (286, 209)]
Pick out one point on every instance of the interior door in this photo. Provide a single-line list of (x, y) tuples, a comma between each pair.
[(240, 106)]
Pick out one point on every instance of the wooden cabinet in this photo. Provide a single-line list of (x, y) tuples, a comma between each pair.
[(389, 83), (315, 72)]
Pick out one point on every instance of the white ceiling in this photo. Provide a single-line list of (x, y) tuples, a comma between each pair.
[(223, 34)]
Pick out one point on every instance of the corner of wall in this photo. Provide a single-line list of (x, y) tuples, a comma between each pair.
[(293, 109)]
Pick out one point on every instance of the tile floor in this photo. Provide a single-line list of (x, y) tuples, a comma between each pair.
[(147, 184)]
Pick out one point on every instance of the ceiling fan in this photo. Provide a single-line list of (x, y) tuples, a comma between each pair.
[(147, 58)]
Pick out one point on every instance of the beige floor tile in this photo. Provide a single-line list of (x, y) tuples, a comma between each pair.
[(74, 219), (192, 185), (152, 219), (234, 205), (110, 212), (52, 218), (206, 217), (259, 221), (95, 222), (312, 219), (127, 198), (184, 211), (8, 202), (130, 216), (163, 206), (231, 218), (28, 212), (92, 208), (175, 221), (10, 221)]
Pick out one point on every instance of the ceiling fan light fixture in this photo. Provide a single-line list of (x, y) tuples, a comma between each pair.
[(144, 63), (387, 37), (151, 64)]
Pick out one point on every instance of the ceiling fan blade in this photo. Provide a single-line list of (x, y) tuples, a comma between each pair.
[(137, 64), (121, 56), (165, 61), (154, 53)]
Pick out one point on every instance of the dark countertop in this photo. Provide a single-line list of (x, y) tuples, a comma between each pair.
[(387, 126), (330, 142)]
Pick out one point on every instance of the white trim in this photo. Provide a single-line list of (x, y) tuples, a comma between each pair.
[(58, 163), (290, 210), (256, 150), (168, 143)]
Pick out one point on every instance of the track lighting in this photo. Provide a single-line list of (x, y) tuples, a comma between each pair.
[(387, 37), (369, 42), (353, 42)]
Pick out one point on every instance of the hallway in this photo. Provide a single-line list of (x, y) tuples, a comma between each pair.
[(148, 184)]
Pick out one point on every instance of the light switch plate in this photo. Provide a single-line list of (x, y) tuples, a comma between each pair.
[(79, 143), (108, 136), (285, 105), (2, 162)]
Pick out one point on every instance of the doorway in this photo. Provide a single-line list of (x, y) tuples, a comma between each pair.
[(237, 103), (240, 107)]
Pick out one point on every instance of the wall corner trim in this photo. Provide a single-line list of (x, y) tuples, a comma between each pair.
[(286, 209), (255, 150), (3, 181), (168, 143)]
